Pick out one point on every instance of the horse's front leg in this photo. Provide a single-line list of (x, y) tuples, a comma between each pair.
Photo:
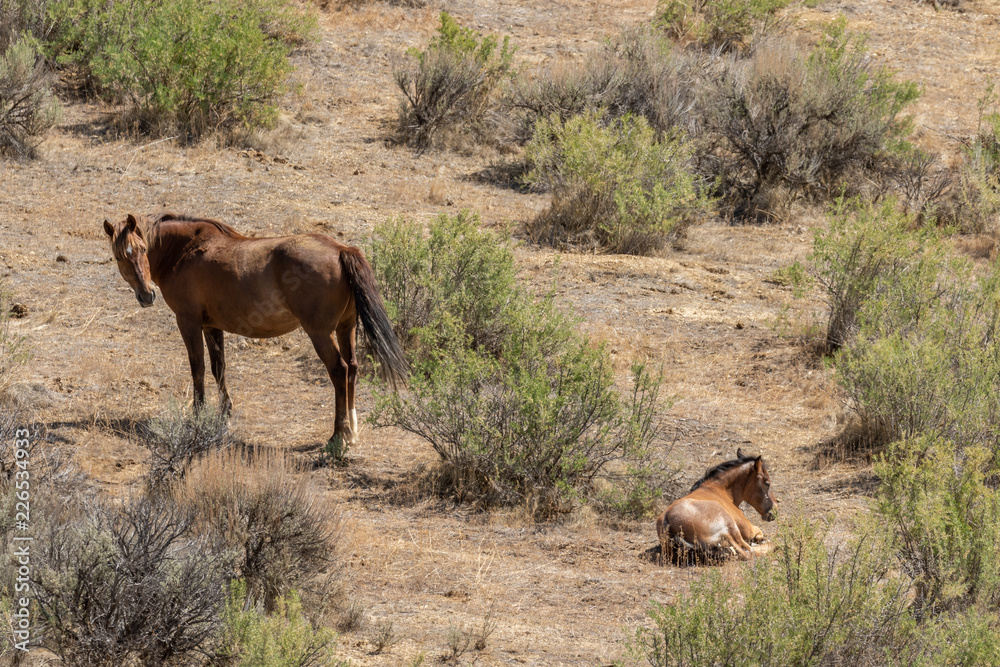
[(191, 333), (748, 531), (215, 340)]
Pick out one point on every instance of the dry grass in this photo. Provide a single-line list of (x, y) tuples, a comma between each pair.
[(259, 505), (562, 592)]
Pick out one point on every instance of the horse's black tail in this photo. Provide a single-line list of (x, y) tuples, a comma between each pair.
[(393, 366)]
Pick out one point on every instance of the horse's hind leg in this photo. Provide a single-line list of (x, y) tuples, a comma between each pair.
[(215, 341), (338, 369), (347, 339)]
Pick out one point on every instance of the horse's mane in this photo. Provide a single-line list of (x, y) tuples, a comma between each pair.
[(723, 467), (160, 218)]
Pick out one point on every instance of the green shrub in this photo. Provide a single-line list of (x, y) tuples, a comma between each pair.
[(458, 268), (782, 124), (185, 63), (867, 250), (526, 412), (452, 85), (615, 187), (807, 604), (941, 501), (284, 638), (915, 327), (980, 174), (27, 107), (717, 24)]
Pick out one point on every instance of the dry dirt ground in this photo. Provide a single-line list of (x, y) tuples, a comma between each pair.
[(737, 368)]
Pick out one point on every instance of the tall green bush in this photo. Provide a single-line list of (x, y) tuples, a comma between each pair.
[(867, 250), (916, 327), (940, 501), (520, 407), (196, 65), (613, 186)]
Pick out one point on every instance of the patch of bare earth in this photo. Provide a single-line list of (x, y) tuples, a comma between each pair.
[(731, 341)]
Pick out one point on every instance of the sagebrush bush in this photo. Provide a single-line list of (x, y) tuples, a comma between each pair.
[(940, 499), (21, 19), (458, 268), (979, 190), (277, 529), (637, 72), (520, 407), (811, 603), (868, 249), (781, 123), (615, 186), (183, 64), (452, 85), (27, 106), (284, 638), (805, 604), (127, 585), (923, 357), (716, 24), (177, 438)]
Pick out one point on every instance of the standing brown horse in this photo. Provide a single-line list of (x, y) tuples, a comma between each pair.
[(709, 518), (216, 280)]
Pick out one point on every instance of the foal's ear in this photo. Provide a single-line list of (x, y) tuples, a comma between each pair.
[(739, 452), (131, 222), (758, 465), (109, 229)]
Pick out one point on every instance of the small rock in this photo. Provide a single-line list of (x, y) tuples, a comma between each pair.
[(61, 258), (739, 325), (18, 310)]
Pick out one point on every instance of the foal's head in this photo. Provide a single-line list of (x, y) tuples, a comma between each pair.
[(757, 490), (129, 248)]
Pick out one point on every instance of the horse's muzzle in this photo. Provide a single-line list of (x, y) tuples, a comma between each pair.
[(146, 300)]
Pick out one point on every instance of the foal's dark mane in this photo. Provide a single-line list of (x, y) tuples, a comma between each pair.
[(723, 467)]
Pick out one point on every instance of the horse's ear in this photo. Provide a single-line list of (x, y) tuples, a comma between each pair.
[(758, 465), (109, 229), (739, 452), (131, 222)]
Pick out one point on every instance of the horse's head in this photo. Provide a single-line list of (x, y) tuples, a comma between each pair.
[(758, 491), (129, 249)]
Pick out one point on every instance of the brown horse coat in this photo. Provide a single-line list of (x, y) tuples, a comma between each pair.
[(216, 280), (709, 517)]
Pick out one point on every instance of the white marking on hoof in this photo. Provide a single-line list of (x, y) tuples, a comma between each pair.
[(354, 421)]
